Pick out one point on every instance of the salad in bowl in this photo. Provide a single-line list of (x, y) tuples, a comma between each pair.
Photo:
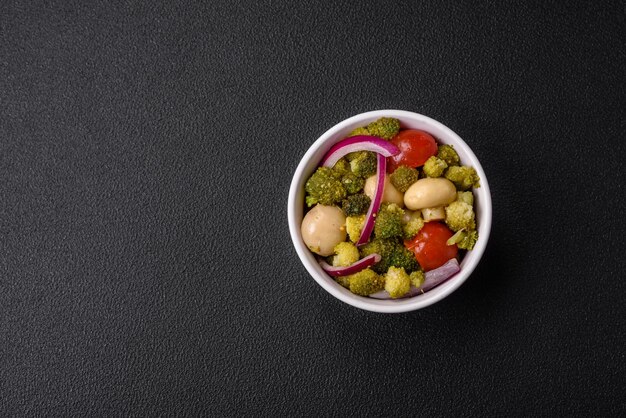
[(389, 211)]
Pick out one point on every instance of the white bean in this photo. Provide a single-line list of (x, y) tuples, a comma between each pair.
[(429, 193), (390, 193), (323, 227)]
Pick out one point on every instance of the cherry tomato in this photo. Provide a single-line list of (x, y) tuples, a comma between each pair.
[(429, 246), (415, 148)]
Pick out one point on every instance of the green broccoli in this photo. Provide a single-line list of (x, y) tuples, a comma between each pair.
[(413, 222), (465, 240), (464, 177), (322, 187), (392, 253), (343, 281), (359, 131), (403, 177), (364, 163), (354, 226), (357, 204), (434, 167), (404, 258), (365, 282), (341, 168), (385, 128), (346, 253), (460, 215), (397, 282), (467, 197), (468, 241), (389, 221), (417, 278), (352, 183), (448, 154)]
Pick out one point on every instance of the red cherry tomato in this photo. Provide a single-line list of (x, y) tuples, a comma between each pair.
[(429, 246), (415, 148)]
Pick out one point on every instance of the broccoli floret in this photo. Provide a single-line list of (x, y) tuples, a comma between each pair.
[(434, 167), (346, 253), (343, 281), (468, 241), (465, 240), (404, 258), (464, 177), (460, 215), (354, 226), (389, 221), (352, 183), (392, 253), (397, 282), (448, 154), (417, 278), (359, 131), (324, 188), (403, 177), (385, 128), (311, 201), (365, 282), (467, 197), (357, 204), (341, 168), (363, 164), (413, 222)]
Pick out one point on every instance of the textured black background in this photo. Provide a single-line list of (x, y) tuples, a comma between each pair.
[(146, 152)]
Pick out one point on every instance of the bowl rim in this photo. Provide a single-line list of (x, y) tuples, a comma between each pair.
[(469, 262)]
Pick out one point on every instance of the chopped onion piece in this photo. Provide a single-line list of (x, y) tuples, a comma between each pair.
[(352, 268), (433, 278), (358, 143), (368, 226), (439, 275), (383, 294)]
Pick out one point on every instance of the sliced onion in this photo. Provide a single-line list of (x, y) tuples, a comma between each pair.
[(432, 278), (368, 226), (352, 268), (358, 143), (439, 275), (383, 294)]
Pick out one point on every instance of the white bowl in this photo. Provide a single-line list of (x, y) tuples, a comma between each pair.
[(310, 162)]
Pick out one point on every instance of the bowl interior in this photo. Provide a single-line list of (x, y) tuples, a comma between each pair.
[(309, 163)]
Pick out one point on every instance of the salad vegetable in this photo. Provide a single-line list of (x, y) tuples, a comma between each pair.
[(403, 178), (356, 204), (391, 211), (415, 148)]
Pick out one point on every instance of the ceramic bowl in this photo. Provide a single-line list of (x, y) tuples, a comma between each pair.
[(311, 160)]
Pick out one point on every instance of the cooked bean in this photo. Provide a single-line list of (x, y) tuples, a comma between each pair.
[(429, 193), (323, 228)]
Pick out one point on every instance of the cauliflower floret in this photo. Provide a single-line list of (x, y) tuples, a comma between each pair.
[(365, 282), (434, 167), (460, 215), (464, 177), (417, 278), (346, 253), (354, 226), (397, 282)]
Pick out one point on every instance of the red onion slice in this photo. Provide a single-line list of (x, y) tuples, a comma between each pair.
[(358, 143), (440, 274), (368, 226), (352, 268), (433, 278)]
